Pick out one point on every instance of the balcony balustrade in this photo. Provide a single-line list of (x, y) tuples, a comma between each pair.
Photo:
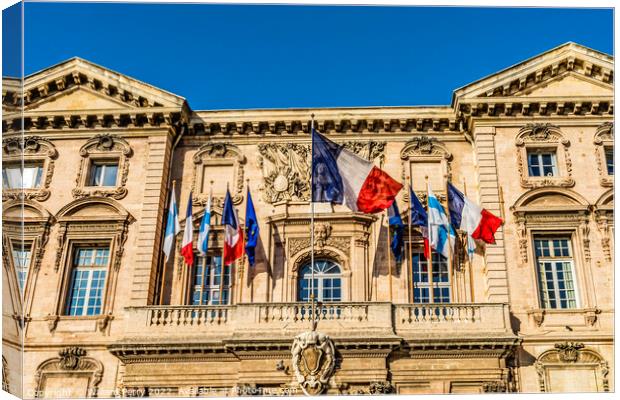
[(353, 319)]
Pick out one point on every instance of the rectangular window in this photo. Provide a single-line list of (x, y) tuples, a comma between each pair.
[(103, 173), (425, 282), (542, 164), (22, 252), (16, 177), (609, 160), (90, 265), (556, 274), (208, 283)]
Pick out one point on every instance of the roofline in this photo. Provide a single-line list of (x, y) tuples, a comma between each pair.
[(567, 45), (301, 109), (80, 59)]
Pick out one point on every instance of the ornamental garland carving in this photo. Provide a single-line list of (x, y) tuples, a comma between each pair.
[(103, 146), (567, 354), (30, 149), (544, 136), (297, 245), (604, 137), (603, 219), (218, 154), (71, 361), (286, 167)]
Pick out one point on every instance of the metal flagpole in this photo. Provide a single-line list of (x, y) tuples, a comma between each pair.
[(429, 261), (410, 273), (312, 299), (389, 251), (470, 264), (450, 255)]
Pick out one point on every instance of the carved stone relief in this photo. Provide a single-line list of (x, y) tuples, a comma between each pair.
[(30, 149), (544, 136), (104, 146), (421, 149), (313, 360), (286, 167), (71, 360), (567, 355), (216, 154)]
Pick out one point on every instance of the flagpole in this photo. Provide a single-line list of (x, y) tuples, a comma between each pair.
[(312, 299), (450, 255), (429, 261), (410, 272), (164, 269), (247, 181), (469, 258), (389, 251), (223, 267)]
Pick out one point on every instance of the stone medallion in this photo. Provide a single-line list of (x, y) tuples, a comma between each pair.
[(280, 184), (314, 360)]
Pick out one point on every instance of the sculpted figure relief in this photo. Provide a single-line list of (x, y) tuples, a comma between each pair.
[(286, 168)]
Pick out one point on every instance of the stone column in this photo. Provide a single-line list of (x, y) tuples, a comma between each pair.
[(496, 276)]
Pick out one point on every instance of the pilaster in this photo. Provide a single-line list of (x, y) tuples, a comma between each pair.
[(496, 275)]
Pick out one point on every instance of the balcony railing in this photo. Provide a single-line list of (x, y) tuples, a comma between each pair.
[(335, 319)]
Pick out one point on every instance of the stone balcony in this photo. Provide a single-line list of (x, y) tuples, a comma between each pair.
[(160, 331)]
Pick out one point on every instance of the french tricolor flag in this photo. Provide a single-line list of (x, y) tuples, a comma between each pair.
[(340, 176), (468, 216), (233, 234), (187, 250)]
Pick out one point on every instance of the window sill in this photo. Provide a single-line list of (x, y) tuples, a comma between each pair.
[(561, 318), (532, 182), (115, 192), (38, 194), (79, 323)]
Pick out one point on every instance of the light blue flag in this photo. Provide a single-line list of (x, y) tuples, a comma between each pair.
[(205, 227), (440, 232), (172, 225)]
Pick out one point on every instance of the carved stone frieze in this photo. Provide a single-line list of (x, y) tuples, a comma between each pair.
[(603, 219), (70, 357), (30, 149), (382, 387), (494, 387), (286, 167), (218, 153), (313, 360), (538, 136), (103, 146), (342, 243), (569, 351)]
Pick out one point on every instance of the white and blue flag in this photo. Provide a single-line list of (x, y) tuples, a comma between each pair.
[(205, 227), (172, 225), (441, 235)]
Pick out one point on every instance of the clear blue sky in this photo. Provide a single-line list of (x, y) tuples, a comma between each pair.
[(243, 56)]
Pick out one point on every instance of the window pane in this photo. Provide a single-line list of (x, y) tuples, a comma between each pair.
[(609, 158), (32, 176), (85, 296), (21, 261), (109, 178), (327, 284), (555, 270), (208, 287), (12, 177)]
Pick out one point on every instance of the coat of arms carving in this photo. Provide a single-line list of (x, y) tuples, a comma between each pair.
[(314, 359)]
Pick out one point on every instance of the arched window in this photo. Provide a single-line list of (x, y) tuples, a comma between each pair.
[(327, 281)]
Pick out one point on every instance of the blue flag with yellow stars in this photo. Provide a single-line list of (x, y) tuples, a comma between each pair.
[(251, 228)]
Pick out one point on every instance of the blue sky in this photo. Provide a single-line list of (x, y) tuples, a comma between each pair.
[(243, 56)]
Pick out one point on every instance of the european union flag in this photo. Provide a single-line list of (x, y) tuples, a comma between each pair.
[(251, 228), (397, 228)]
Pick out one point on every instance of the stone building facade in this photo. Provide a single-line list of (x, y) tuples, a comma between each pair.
[(99, 312)]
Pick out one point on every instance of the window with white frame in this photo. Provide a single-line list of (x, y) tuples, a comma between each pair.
[(208, 287), (435, 281), (22, 255), (16, 177), (542, 163), (327, 281), (556, 271), (88, 276), (103, 173)]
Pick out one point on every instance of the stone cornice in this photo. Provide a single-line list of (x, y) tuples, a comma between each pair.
[(332, 120)]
